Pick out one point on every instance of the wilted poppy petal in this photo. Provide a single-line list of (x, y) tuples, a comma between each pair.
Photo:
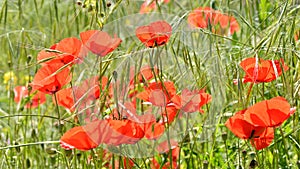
[(206, 17), (259, 70)]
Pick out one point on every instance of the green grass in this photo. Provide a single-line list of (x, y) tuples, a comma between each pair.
[(193, 58)]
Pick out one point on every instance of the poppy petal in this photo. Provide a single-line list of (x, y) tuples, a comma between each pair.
[(99, 42), (268, 113), (77, 138), (155, 34)]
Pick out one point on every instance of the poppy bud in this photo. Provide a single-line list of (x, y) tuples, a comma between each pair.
[(17, 148), (28, 164), (205, 164), (51, 150), (9, 63), (68, 153), (244, 153), (91, 8), (79, 3), (115, 75), (33, 133), (29, 57), (253, 164), (108, 4), (252, 155), (224, 136), (102, 14), (78, 155)]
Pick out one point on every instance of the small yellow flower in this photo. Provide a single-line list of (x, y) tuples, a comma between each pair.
[(9, 77), (27, 78)]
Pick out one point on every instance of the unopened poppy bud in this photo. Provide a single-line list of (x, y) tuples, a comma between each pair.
[(108, 4), (205, 164), (28, 163), (29, 57), (253, 164), (68, 153), (33, 133), (91, 8), (17, 148), (79, 3), (244, 153), (51, 150), (115, 75), (9, 63), (78, 155), (252, 155), (224, 136)]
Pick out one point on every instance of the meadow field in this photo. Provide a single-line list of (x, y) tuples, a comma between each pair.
[(150, 84)]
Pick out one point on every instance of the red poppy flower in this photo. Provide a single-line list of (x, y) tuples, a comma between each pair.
[(78, 138), (151, 128), (158, 93), (258, 71), (124, 132), (226, 21), (66, 51), (99, 42), (201, 17), (155, 34), (243, 129), (259, 136), (206, 17), (22, 92), (65, 98), (191, 101), (269, 113), (51, 78), (108, 131), (150, 5)]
